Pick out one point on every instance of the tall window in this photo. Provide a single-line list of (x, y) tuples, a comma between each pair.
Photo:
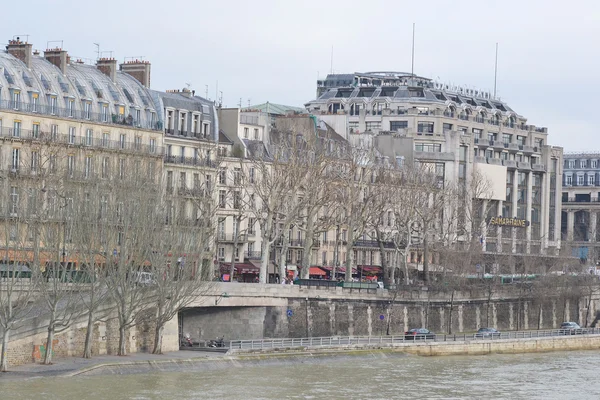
[(138, 142), (246, 130), (104, 112), (17, 128), (35, 99), (70, 165), (87, 110), (14, 200), (53, 105), (569, 180), (105, 139), (153, 146), (579, 180), (89, 137), (35, 131), (255, 134), (105, 167), (71, 135), (54, 132), (122, 141), (222, 198), (15, 162), (70, 107), (121, 168), (35, 156), (87, 173)]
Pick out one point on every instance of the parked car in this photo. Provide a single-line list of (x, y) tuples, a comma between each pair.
[(487, 333), (570, 328), (418, 334)]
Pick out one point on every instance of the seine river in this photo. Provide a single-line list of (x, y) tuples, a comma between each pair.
[(572, 375)]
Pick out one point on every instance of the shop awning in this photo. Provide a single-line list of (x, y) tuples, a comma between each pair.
[(375, 269), (338, 269), (316, 271), (241, 268)]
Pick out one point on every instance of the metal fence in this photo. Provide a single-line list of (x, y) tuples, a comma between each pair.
[(343, 341)]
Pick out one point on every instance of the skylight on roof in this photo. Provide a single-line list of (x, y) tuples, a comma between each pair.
[(143, 97), (128, 95), (27, 79), (9, 77), (45, 82), (114, 93), (80, 88), (97, 90), (63, 85), (205, 109)]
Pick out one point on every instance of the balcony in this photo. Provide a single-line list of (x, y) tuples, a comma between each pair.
[(510, 163), (523, 165), (253, 255), (373, 244), (582, 200), (95, 143), (529, 149), (482, 142), (480, 159), (108, 119), (434, 156), (539, 167), (191, 192), (191, 161), (513, 146), (494, 161), (230, 238)]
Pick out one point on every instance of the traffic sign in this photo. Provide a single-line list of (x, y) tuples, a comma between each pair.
[(290, 313), (382, 317)]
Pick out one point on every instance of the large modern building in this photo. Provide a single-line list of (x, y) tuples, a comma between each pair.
[(462, 133), (581, 204)]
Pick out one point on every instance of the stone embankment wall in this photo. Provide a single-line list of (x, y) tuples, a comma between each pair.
[(333, 315), (28, 344)]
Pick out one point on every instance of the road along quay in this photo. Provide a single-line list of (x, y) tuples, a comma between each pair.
[(440, 345)]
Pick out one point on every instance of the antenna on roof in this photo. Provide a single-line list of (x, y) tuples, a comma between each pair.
[(97, 50), (496, 70), (54, 41), (412, 68)]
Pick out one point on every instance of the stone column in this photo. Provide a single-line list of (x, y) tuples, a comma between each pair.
[(483, 225), (570, 224)]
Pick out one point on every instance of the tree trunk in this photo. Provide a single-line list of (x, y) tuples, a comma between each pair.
[(384, 264), (158, 334), (283, 254), (264, 260), (450, 315), (4, 356), (425, 259), (349, 260), (308, 244), (236, 238), (122, 342), (49, 339), (89, 334)]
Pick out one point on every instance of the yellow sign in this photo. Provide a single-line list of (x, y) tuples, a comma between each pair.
[(512, 222)]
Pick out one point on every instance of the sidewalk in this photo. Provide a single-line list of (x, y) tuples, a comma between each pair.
[(70, 366)]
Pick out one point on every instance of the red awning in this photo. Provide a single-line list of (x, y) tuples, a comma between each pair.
[(370, 268), (316, 271), (241, 268), (338, 269)]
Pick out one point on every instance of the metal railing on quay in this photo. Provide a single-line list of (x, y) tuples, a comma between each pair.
[(344, 341)]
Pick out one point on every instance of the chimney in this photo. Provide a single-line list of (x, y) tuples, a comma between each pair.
[(58, 57), (108, 66), (139, 69), (20, 50)]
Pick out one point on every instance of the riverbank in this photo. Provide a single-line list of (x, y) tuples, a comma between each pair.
[(198, 361)]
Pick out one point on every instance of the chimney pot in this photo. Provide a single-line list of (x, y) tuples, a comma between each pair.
[(138, 69), (20, 50)]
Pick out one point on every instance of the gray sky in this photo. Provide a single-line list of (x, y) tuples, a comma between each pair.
[(274, 50)]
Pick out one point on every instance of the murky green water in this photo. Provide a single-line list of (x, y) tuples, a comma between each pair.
[(572, 375)]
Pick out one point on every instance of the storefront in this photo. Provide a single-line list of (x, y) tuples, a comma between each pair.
[(242, 272)]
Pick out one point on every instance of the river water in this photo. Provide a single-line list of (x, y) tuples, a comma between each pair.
[(569, 375)]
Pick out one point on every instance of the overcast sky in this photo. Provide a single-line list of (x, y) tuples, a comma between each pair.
[(274, 50)]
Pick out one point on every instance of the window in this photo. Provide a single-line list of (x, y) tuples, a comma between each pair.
[(122, 166), (87, 172), (152, 146), (506, 138), (395, 125), (429, 147), (105, 139), (71, 135), (583, 163), (89, 137), (35, 157), (373, 125), (255, 134), (579, 180), (137, 141), (122, 138), (251, 223), (222, 176), (222, 253), (169, 181), (447, 127), (205, 129), (16, 99), (237, 200), (324, 258), (246, 130), (53, 105), (151, 171), (104, 112), (17, 128), (35, 131), (571, 164), (87, 109), (207, 183), (105, 167), (594, 164), (477, 133), (15, 162), (521, 140), (195, 125), (182, 180), (70, 165), (222, 198), (539, 143), (569, 180), (251, 175), (35, 98), (324, 237), (237, 176), (425, 127), (182, 125), (54, 131), (590, 180), (14, 200)]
